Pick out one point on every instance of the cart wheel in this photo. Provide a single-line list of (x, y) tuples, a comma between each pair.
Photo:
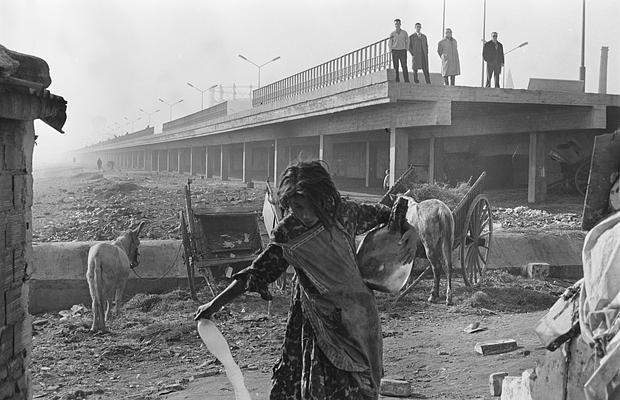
[(476, 240), (281, 282), (581, 178)]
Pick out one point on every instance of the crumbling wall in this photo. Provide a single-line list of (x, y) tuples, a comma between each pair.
[(16, 145)]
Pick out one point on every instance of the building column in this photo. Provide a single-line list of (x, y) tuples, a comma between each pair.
[(537, 181), (399, 154), (367, 181), (179, 152), (246, 177), (224, 162), (167, 160), (158, 160), (326, 148), (191, 162), (431, 160), (208, 171), (280, 159)]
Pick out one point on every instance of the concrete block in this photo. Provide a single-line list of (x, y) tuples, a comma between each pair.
[(495, 382), (513, 389), (496, 346), (570, 272), (528, 377), (556, 85), (536, 270), (395, 388)]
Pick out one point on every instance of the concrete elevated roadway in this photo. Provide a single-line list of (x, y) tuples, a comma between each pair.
[(365, 125)]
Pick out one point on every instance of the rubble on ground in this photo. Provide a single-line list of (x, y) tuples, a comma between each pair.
[(523, 217)]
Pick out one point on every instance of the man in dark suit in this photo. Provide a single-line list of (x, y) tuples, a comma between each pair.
[(418, 47), (493, 54)]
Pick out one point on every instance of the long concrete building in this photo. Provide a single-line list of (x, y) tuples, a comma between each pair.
[(351, 113)]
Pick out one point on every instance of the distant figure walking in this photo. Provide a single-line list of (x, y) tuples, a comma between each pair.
[(99, 164), (74, 160), (450, 65), (493, 54), (418, 47), (386, 180), (399, 43)]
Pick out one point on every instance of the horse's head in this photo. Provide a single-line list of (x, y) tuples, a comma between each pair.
[(131, 242)]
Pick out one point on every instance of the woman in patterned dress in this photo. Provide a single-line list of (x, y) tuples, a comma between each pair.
[(333, 346)]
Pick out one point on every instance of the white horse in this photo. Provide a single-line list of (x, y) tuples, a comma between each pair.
[(108, 271)]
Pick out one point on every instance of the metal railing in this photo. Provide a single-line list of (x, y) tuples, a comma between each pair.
[(364, 61)]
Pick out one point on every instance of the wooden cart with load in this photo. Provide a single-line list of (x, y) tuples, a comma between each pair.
[(473, 229)]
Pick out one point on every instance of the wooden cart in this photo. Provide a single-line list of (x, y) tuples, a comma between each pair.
[(605, 163), (219, 238), (473, 228)]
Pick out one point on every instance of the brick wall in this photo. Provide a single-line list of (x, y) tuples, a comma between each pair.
[(16, 146)]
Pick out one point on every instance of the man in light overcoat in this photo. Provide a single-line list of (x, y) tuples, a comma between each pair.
[(450, 65)]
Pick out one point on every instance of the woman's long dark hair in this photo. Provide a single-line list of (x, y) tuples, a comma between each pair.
[(311, 180)]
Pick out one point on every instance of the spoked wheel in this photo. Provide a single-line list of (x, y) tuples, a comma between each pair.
[(476, 240), (581, 178)]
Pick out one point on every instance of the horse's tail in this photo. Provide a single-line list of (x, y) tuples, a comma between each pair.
[(95, 286), (447, 225)]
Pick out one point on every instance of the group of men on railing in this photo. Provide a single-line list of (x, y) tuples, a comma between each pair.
[(417, 44)]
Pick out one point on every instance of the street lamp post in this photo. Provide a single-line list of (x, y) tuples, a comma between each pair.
[(505, 54), (202, 93), (131, 121), (258, 66), (149, 114), (484, 24), (582, 67), (170, 105)]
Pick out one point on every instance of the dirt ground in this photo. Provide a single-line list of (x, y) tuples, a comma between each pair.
[(153, 349)]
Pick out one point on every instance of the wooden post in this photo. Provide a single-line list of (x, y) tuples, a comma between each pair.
[(537, 182), (399, 154)]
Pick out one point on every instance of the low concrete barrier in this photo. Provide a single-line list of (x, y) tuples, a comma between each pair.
[(510, 249), (59, 273), (58, 279)]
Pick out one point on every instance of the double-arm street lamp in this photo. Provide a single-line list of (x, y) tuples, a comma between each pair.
[(258, 66), (202, 94), (149, 114), (505, 54), (170, 105)]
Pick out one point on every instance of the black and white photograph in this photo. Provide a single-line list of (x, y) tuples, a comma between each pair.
[(309, 199)]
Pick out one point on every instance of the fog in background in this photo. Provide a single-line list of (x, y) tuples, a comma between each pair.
[(110, 58)]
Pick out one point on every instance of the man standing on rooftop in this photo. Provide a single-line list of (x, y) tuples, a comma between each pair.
[(493, 54), (399, 43), (450, 65), (418, 47)]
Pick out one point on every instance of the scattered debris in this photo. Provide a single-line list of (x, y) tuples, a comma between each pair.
[(496, 346), (474, 327), (495, 382), (395, 388)]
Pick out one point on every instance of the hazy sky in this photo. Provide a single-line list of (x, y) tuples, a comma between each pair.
[(110, 58)]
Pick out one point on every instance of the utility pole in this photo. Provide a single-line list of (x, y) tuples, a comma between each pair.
[(582, 68)]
